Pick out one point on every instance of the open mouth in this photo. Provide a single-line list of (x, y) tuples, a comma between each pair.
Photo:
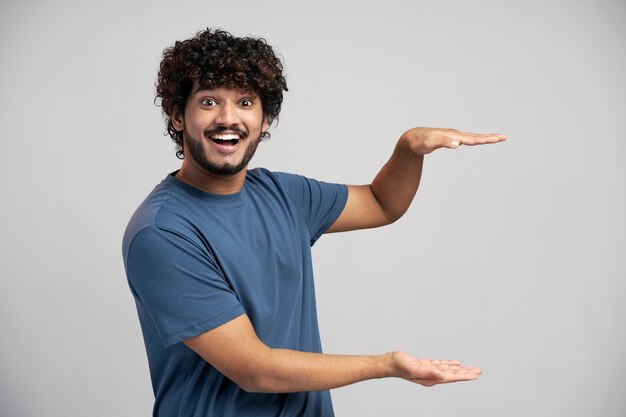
[(226, 139)]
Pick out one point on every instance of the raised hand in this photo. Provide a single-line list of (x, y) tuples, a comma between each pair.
[(424, 140), (431, 372)]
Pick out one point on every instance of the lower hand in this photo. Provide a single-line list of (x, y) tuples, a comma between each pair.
[(430, 372)]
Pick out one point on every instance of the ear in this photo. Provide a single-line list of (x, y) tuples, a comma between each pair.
[(178, 121), (265, 125)]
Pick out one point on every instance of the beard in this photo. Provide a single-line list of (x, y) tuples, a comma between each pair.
[(194, 145)]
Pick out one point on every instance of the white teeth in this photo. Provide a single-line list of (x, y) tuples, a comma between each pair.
[(225, 137)]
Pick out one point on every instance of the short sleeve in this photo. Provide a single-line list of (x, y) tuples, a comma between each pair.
[(320, 202), (178, 285)]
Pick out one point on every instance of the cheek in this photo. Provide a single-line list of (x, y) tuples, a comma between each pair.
[(194, 133), (257, 123), (195, 127)]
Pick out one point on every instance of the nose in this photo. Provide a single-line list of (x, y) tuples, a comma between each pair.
[(228, 115)]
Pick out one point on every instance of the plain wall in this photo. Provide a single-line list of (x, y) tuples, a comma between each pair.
[(511, 257)]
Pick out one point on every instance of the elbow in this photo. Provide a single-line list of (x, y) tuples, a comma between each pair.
[(257, 384), (396, 217), (249, 386), (255, 374), (257, 379), (245, 380), (392, 216), (249, 383), (390, 210)]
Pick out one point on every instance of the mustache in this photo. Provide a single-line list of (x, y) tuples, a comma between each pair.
[(208, 132)]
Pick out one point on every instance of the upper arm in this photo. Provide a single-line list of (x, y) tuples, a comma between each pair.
[(362, 211), (318, 203), (233, 349), (181, 289)]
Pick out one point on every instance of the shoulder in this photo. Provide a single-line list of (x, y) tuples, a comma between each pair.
[(164, 209), (263, 175), (298, 187), (264, 181), (283, 180)]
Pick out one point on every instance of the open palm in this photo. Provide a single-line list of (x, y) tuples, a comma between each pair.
[(431, 372)]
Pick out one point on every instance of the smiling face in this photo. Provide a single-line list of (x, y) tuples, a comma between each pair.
[(221, 130)]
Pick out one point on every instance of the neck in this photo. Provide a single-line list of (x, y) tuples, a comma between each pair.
[(211, 183)]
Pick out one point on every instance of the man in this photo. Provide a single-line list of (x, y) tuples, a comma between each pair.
[(218, 256)]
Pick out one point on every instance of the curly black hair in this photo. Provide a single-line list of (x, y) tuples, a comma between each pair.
[(218, 59)]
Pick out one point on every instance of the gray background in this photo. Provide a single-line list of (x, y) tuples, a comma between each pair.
[(511, 258)]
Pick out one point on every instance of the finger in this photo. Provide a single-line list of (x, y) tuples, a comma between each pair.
[(471, 139), (455, 142), (437, 362), (460, 132), (467, 370), (450, 362), (436, 379), (441, 140), (445, 365), (458, 370), (436, 371), (473, 370), (453, 376)]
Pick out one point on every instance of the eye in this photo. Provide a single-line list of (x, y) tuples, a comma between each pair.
[(246, 102), (208, 102)]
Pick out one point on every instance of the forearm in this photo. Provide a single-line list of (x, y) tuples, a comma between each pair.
[(282, 370), (235, 350), (397, 182), (388, 197)]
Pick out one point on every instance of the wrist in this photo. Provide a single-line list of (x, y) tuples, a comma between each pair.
[(404, 143), (389, 367), (407, 145)]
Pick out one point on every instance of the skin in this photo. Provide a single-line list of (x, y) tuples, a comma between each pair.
[(234, 348), (208, 109)]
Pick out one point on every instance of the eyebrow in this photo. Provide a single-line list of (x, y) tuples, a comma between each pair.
[(202, 90)]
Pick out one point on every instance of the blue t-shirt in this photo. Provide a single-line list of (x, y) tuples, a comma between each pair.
[(195, 261)]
